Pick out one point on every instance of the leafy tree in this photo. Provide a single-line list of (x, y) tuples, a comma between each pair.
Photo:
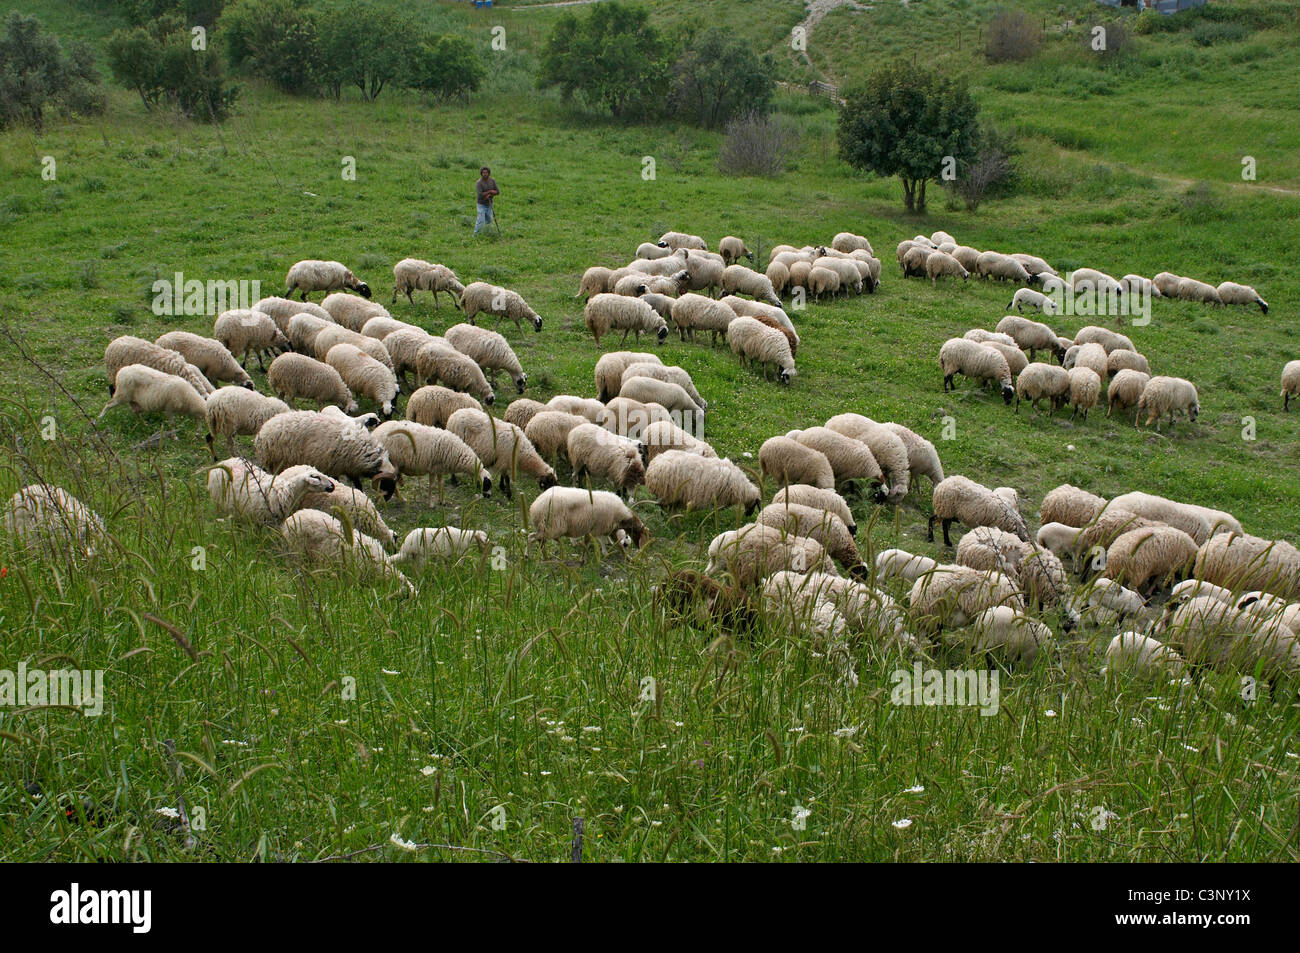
[(718, 78), (447, 67), (906, 123), (613, 57), (273, 39), (35, 74), (368, 47), (158, 61)]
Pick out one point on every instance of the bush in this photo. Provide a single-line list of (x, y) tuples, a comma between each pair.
[(448, 68), (1012, 36), (990, 172), (158, 62), (716, 79), (1110, 40), (35, 74), (368, 47), (1211, 34), (757, 145), (273, 39), (613, 58)]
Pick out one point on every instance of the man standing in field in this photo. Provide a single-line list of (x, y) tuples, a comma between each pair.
[(485, 190)]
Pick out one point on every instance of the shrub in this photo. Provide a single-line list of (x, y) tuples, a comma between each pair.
[(157, 61), (990, 172), (613, 58), (1110, 40), (1012, 36), (368, 47), (35, 74), (448, 68), (273, 39), (757, 145), (716, 79), (1211, 34)]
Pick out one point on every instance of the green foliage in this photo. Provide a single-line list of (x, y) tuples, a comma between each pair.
[(273, 39), (905, 124), (159, 62), (36, 74), (718, 78), (613, 57), (1012, 36), (1212, 34), (367, 46), (447, 67)]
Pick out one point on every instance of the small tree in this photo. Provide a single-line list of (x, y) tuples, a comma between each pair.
[(989, 172), (368, 47), (448, 68), (717, 78), (1011, 36), (158, 61), (273, 39), (907, 124), (36, 74), (757, 145), (613, 57)]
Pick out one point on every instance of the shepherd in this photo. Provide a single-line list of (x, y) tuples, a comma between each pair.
[(485, 190)]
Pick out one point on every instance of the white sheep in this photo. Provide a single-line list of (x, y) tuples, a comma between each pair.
[(939, 265), (432, 404), (576, 513), (489, 350), (1135, 653), (419, 450), (827, 528), (594, 450), (347, 503), (126, 350), (676, 240), (444, 542), (900, 564), (296, 375), (1031, 336), (1040, 381), (737, 279), (235, 411), (548, 431), (1232, 293), (606, 312), (671, 374), (958, 499), (609, 370), (1085, 389), (502, 447), (281, 310), (1009, 634), (353, 312), (210, 356), (504, 303), (437, 360), (321, 539), (818, 498), (240, 488), (680, 478), (787, 461), (49, 517), (146, 390), (754, 341), (889, 449), (1241, 561), (1028, 297), (651, 390), (693, 312), (754, 551), (1125, 389), (976, 362), (245, 331), (335, 447), (364, 376), (415, 274), (314, 275), (1167, 395)]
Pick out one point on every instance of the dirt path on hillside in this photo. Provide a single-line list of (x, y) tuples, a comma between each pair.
[(817, 10), (1176, 180)]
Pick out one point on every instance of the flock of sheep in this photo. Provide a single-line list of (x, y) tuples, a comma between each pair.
[(1228, 596)]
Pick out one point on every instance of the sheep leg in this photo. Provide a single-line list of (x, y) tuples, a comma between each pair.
[(929, 528), (505, 484), (946, 541), (1286, 402)]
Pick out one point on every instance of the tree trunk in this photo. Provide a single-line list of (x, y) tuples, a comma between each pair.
[(909, 195), (920, 201)]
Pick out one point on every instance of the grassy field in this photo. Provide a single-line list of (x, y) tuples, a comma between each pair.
[(515, 691)]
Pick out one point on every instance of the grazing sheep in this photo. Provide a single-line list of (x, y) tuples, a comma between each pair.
[(1035, 265), (593, 450), (991, 264), (1214, 633), (664, 435), (1085, 389), (1031, 336), (969, 257), (650, 390), (820, 499), (671, 374), (126, 350), (1199, 522), (606, 312), (850, 459), (1070, 505), (779, 275), (827, 528), (320, 538), (146, 390), (680, 478), (1028, 297), (953, 596), (849, 242), (576, 513), (913, 261), (419, 450), (787, 461), (1125, 389), (502, 447), (438, 361), (335, 334), (432, 405), (313, 275), (922, 457), (1091, 356), (1167, 395), (415, 274), (650, 250), (403, 346), (693, 312), (1198, 587), (352, 312), (302, 329), (638, 285), (1232, 293), (1108, 339), (364, 376), (900, 564), (523, 409), (737, 279), (659, 267), (629, 418), (244, 490), (1104, 602), (799, 272), (490, 299), (975, 362), (489, 350), (987, 547), (1123, 360), (939, 265), (609, 372), (1092, 281), (1016, 359), (831, 606), (1150, 557), (595, 280), (676, 240), (959, 499), (366, 421), (990, 337), (756, 551), (345, 502), (587, 407), (705, 273), (281, 310), (208, 355), (334, 446), (235, 411), (421, 546), (848, 272), (733, 249), (1137, 285), (754, 341), (766, 314), (245, 331), (661, 303), (1008, 634), (549, 430), (296, 375), (1138, 654), (1240, 561), (1290, 383), (889, 449), (42, 516), (1038, 381), (1189, 289)]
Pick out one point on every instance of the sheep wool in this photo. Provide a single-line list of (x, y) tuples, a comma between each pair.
[(609, 368), (787, 461), (432, 404), (850, 459), (594, 450), (650, 390), (1043, 382), (146, 390), (314, 275), (679, 478), (127, 350), (293, 375), (43, 516), (248, 331), (1149, 555), (664, 435), (244, 490), (1125, 388), (281, 310), (208, 355), (612, 312), (422, 546), (952, 596), (671, 374), (958, 499), (1108, 339), (418, 450), (826, 528), (335, 447), (1137, 654), (1232, 293), (1167, 395), (752, 340), (1029, 298), (889, 449), (233, 411), (1008, 634), (820, 499), (489, 350), (1085, 389), (504, 303), (364, 375), (975, 362), (549, 431), (438, 361), (347, 502), (302, 329), (900, 564), (737, 279), (321, 539), (1290, 383), (502, 447), (1121, 360), (755, 551), (1240, 561), (939, 265), (1031, 336), (353, 312), (694, 312), (922, 457)]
